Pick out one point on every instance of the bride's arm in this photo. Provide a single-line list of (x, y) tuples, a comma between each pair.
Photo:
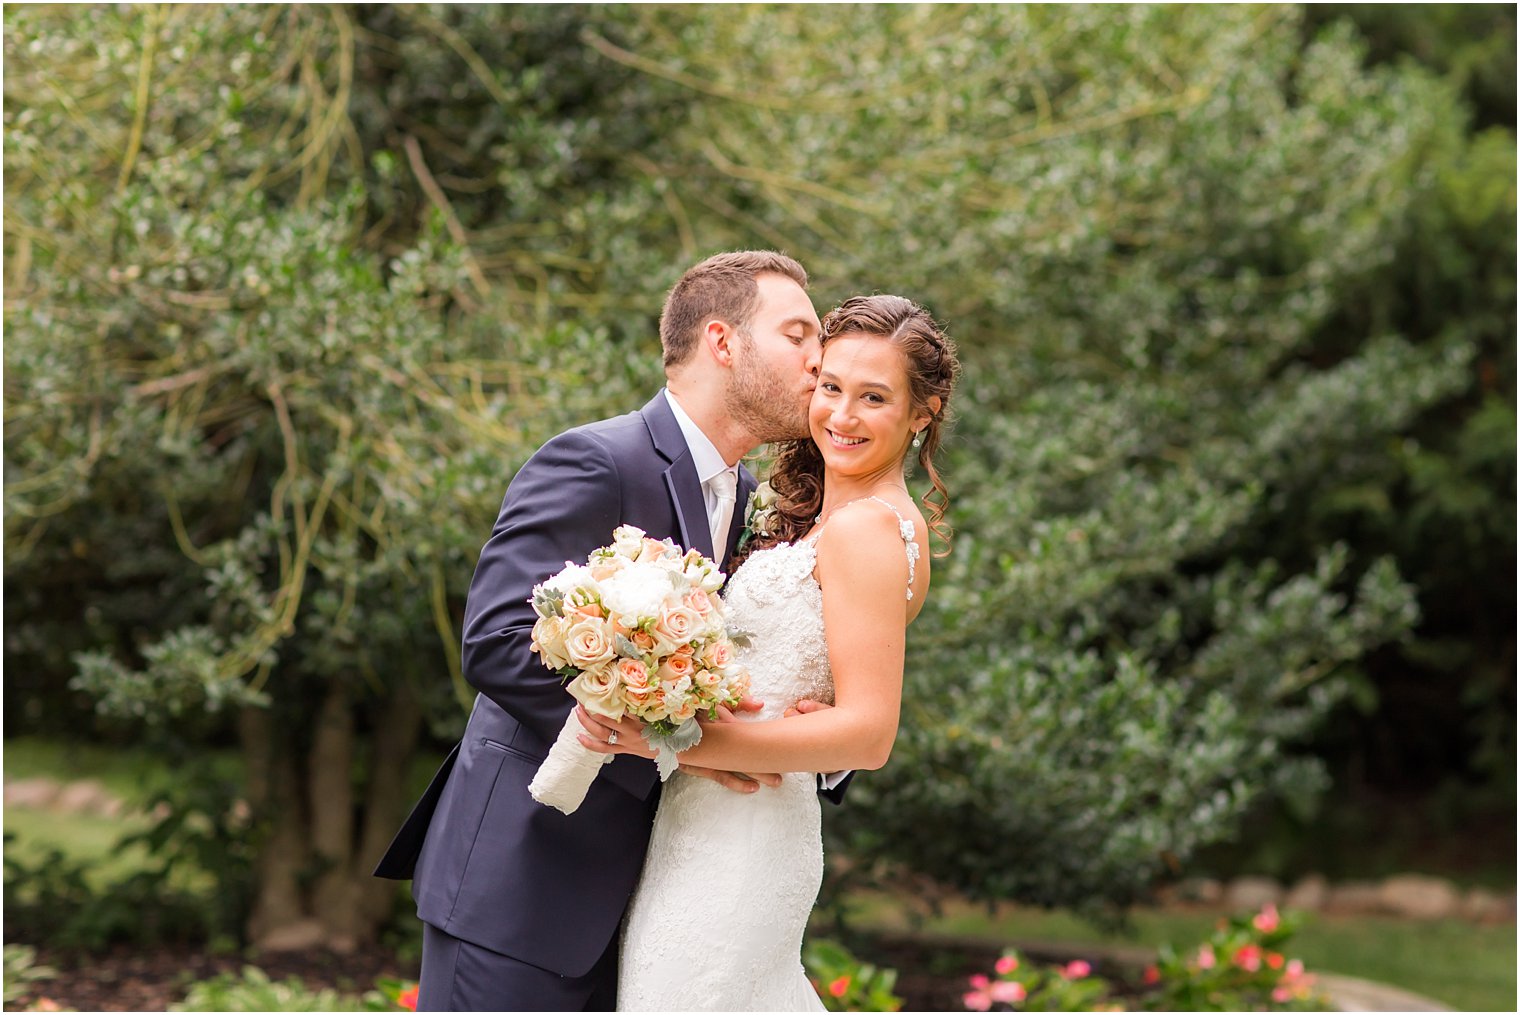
[(863, 572)]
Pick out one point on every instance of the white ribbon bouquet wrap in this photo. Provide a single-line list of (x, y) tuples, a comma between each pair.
[(637, 630)]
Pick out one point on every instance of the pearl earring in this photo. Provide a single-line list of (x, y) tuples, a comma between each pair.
[(918, 439)]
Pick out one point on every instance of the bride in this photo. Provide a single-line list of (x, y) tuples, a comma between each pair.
[(716, 922)]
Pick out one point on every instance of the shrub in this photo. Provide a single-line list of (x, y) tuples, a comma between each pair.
[(844, 983)]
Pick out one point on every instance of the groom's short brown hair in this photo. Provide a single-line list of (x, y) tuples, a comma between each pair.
[(723, 286)]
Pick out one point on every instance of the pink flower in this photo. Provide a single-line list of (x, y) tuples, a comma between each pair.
[(1205, 956), (1008, 992), (1282, 995), (980, 981), (1267, 920), (1006, 965), (1295, 968), (977, 1000), (840, 986), (1248, 957), (408, 998), (1076, 969), (1152, 974)]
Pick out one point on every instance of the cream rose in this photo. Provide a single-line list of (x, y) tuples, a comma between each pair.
[(687, 711), (598, 689), (549, 642), (588, 642), (718, 654)]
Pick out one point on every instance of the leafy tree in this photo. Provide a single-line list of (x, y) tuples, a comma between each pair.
[(292, 292)]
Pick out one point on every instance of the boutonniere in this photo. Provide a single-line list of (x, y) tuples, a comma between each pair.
[(759, 515)]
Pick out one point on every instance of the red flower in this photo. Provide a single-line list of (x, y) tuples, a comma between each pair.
[(1274, 960), (840, 986), (1152, 974), (1248, 957), (408, 998)]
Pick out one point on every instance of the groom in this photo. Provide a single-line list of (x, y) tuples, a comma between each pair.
[(520, 903)]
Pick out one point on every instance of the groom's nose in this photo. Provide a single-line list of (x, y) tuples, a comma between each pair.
[(814, 359)]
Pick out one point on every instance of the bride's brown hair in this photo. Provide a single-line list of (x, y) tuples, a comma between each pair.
[(932, 370)]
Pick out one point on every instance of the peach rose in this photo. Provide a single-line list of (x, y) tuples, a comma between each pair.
[(699, 602), (632, 673), (676, 626), (718, 654), (676, 667)]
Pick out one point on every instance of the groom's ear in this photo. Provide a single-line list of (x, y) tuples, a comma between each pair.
[(719, 339)]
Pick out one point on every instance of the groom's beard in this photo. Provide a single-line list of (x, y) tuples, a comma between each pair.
[(768, 407)]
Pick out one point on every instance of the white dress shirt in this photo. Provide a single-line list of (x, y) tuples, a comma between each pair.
[(704, 456)]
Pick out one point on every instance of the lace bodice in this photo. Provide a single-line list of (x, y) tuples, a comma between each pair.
[(775, 599)]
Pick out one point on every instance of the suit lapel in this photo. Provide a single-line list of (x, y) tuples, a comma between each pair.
[(681, 475)]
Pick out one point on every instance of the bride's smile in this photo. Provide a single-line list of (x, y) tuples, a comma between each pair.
[(862, 416)]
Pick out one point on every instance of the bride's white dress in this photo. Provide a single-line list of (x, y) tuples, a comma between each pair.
[(716, 923), (717, 920)]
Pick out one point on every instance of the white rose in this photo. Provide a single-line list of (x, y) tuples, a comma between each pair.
[(628, 541)]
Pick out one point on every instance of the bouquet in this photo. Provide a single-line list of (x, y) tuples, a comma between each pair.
[(637, 630)]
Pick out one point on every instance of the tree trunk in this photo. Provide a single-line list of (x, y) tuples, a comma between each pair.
[(331, 799), (385, 802), (314, 887), (274, 790)]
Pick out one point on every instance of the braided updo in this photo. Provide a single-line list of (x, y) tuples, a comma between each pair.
[(932, 369)]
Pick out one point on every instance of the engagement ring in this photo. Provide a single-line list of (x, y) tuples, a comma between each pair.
[(612, 737)]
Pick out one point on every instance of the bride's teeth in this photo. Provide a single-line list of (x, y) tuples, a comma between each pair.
[(849, 441)]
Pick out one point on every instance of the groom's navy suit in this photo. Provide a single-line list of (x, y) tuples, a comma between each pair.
[(493, 868)]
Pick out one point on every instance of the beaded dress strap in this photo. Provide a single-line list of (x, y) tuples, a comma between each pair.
[(904, 529)]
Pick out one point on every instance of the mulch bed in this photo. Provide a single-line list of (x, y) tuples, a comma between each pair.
[(931, 974)]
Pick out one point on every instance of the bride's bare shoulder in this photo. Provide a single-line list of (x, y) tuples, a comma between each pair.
[(865, 540)]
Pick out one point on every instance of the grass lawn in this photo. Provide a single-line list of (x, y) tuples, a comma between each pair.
[(1469, 967)]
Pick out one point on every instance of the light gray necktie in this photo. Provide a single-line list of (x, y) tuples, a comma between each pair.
[(724, 488)]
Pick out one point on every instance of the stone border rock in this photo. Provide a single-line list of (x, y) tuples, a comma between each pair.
[(1411, 896)]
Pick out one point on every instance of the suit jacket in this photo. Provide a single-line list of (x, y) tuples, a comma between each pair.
[(490, 865)]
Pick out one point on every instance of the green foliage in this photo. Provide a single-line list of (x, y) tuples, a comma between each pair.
[(52, 900), (844, 983), (292, 291), (1240, 967), (22, 972), (255, 991)]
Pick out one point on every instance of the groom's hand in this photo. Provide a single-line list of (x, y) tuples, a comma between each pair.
[(739, 782)]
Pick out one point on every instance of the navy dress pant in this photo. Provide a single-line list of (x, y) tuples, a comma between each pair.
[(459, 976)]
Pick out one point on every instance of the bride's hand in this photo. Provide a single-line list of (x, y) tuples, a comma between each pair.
[(613, 736)]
